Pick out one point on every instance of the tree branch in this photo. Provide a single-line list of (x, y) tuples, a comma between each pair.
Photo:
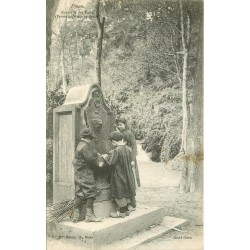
[(182, 28)]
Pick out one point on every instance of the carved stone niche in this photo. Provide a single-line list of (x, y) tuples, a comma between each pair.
[(84, 107)]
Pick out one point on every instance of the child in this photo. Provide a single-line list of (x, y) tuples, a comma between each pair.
[(131, 201), (121, 124), (122, 178), (85, 161)]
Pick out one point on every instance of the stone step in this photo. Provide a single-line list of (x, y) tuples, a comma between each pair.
[(156, 231), (110, 229)]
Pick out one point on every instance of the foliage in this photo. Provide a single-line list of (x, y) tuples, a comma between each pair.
[(141, 66), (170, 145), (49, 169), (122, 96), (54, 98), (153, 143)]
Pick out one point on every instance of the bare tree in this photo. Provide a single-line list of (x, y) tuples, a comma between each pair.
[(100, 29), (61, 37)]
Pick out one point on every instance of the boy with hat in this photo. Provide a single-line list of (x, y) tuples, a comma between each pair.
[(85, 161), (122, 178)]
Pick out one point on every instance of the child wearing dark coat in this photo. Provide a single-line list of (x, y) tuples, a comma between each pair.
[(122, 177), (85, 162), (121, 125)]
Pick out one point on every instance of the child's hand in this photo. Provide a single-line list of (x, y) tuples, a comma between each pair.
[(104, 156), (132, 163), (101, 164)]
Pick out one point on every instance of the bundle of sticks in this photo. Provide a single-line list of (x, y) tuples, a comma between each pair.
[(60, 210)]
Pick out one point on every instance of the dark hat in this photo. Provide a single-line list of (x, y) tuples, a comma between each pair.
[(116, 136), (121, 119), (86, 132)]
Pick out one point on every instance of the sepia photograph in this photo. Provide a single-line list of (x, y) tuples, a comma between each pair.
[(124, 124)]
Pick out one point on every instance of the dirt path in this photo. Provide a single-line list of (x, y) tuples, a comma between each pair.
[(159, 187)]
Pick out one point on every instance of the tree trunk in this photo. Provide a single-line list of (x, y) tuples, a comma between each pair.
[(72, 67), (188, 162), (192, 173), (184, 104), (81, 71), (188, 166), (198, 104), (184, 85), (100, 29), (77, 46), (63, 72), (51, 7)]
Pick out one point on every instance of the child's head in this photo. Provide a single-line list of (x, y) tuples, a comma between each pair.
[(121, 123), (116, 138)]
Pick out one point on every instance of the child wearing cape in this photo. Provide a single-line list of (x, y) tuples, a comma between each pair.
[(122, 178)]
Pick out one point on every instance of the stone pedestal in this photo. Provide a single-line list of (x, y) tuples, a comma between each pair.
[(97, 234)]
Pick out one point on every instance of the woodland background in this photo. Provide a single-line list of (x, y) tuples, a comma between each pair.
[(151, 73)]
